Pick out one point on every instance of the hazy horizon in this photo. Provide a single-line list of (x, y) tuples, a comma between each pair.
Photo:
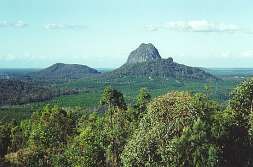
[(101, 34)]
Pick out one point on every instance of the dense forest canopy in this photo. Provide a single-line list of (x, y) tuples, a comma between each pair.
[(175, 129), (21, 92)]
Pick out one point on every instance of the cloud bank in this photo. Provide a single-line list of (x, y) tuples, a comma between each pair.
[(64, 26), (17, 24), (244, 54), (9, 57), (199, 26)]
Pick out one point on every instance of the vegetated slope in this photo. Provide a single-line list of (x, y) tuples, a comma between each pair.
[(21, 92), (164, 68), (65, 72), (18, 73), (146, 61)]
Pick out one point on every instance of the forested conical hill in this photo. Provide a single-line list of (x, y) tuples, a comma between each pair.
[(65, 71)]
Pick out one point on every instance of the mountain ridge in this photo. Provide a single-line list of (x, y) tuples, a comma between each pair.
[(145, 61)]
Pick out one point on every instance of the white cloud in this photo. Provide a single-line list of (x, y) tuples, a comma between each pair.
[(199, 26), (244, 54), (153, 28), (26, 56), (17, 24), (8, 57), (4, 24), (65, 26), (20, 24), (226, 54), (247, 54)]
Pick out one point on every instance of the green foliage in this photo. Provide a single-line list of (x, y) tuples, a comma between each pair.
[(236, 142), (112, 98), (116, 124), (85, 99), (116, 129), (192, 148), (17, 139), (15, 113), (5, 138), (242, 99), (176, 129), (21, 92), (142, 100), (32, 157), (87, 149), (50, 128), (174, 132), (39, 141)]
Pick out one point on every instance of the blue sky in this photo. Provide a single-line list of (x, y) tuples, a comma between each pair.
[(102, 33)]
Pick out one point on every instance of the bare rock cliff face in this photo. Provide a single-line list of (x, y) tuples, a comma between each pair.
[(144, 53)]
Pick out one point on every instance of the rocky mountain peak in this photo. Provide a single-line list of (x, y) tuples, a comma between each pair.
[(145, 52)]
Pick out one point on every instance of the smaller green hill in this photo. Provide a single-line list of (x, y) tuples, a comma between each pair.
[(62, 71)]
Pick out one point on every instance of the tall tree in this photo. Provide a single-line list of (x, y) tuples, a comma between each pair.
[(49, 132), (174, 132), (112, 98), (237, 142), (142, 100), (87, 148), (116, 124)]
